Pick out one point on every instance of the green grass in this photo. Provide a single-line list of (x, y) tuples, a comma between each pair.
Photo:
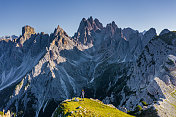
[(89, 108), (139, 108), (1, 113), (135, 112), (144, 103)]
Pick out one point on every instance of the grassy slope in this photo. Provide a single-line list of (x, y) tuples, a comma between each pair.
[(1, 113), (88, 107)]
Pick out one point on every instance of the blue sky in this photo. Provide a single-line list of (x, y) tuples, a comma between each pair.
[(45, 15)]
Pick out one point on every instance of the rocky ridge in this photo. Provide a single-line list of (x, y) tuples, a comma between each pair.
[(38, 71), (12, 37)]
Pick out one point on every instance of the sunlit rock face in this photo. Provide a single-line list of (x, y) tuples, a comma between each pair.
[(119, 66), (27, 30)]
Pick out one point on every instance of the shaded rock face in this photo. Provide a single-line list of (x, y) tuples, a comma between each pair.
[(151, 33), (85, 29), (112, 30), (118, 66), (164, 32)]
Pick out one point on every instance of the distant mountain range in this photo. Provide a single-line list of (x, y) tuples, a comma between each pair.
[(122, 67), (9, 37)]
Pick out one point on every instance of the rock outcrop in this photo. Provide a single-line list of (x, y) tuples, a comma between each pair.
[(27, 32), (164, 32)]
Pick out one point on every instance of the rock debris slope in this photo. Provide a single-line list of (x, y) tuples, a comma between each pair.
[(119, 66)]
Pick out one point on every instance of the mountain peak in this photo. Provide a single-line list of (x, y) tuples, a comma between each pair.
[(85, 28), (90, 24), (90, 19), (112, 28), (27, 30), (114, 24), (151, 32), (59, 31), (164, 32)]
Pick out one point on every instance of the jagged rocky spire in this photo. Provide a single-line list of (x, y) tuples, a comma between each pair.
[(85, 28), (90, 24), (112, 30), (60, 31)]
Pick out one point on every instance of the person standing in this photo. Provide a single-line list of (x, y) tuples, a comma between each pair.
[(82, 94)]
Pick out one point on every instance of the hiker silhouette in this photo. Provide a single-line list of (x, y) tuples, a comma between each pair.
[(82, 94)]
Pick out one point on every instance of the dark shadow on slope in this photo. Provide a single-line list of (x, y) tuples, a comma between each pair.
[(49, 109), (5, 95), (112, 80), (148, 113)]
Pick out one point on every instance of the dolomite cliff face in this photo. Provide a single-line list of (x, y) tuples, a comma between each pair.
[(27, 32), (118, 66), (149, 79)]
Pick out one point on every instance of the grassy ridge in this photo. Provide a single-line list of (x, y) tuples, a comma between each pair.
[(88, 108)]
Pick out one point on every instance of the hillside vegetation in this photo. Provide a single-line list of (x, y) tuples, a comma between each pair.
[(87, 108)]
